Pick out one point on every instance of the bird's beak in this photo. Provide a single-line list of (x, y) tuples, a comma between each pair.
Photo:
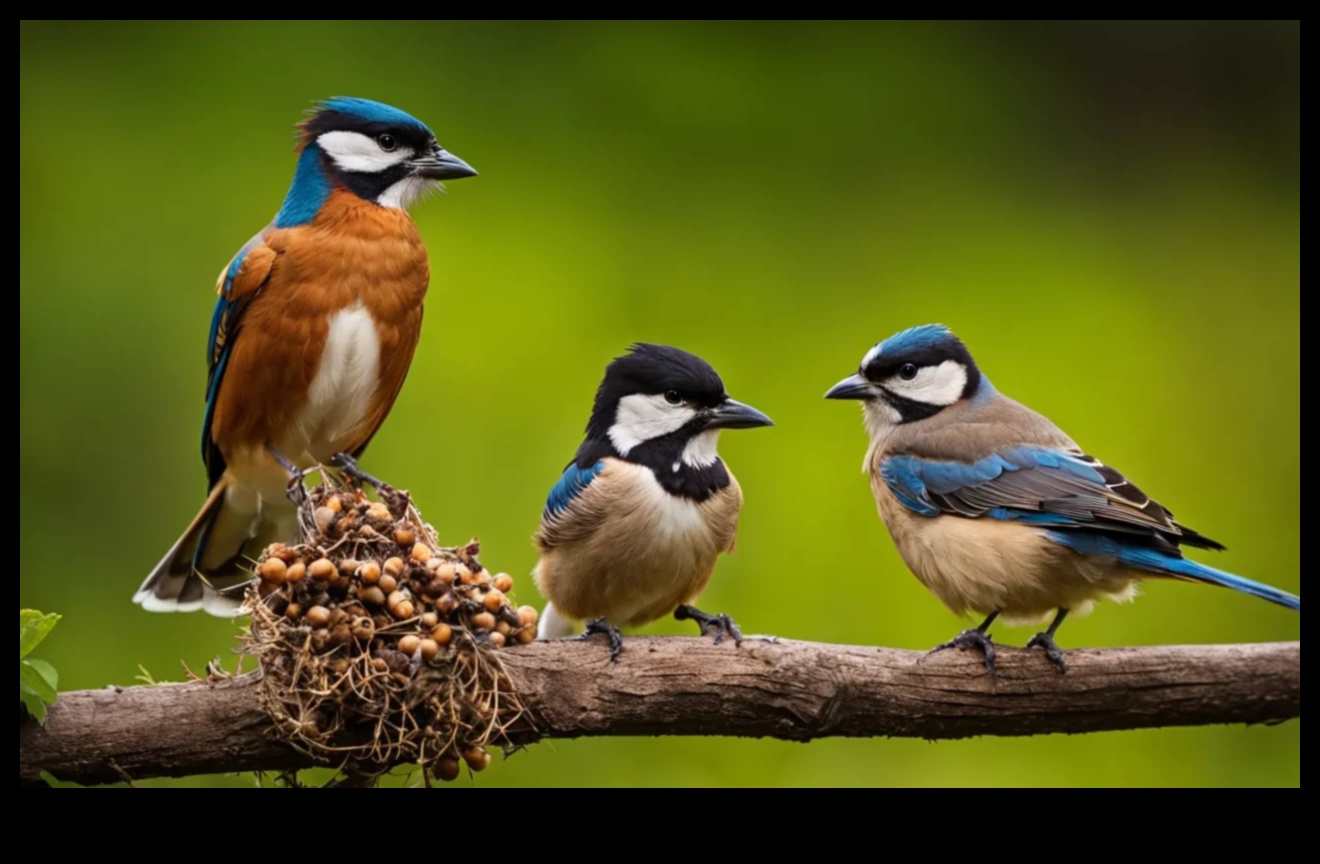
[(733, 414), (852, 387), (440, 164)]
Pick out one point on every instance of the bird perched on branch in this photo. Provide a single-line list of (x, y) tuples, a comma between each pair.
[(631, 531), (995, 509), (312, 336)]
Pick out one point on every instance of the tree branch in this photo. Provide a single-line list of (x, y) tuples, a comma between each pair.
[(687, 686)]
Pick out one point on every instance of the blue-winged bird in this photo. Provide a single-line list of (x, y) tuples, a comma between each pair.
[(631, 531), (995, 509), (313, 332)]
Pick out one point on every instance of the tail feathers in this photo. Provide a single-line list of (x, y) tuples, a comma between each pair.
[(177, 585), (1172, 566), (553, 625), (1209, 575)]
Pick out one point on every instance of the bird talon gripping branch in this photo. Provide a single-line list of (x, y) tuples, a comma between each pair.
[(719, 626), (601, 626)]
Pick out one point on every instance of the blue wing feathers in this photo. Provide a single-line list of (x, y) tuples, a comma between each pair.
[(912, 478), (218, 343), (1163, 564), (570, 485)]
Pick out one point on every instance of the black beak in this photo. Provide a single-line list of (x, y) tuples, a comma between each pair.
[(732, 414), (440, 164), (852, 387)]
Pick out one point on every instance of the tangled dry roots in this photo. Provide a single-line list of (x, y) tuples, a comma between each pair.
[(380, 648)]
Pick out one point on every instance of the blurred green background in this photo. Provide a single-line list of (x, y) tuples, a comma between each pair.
[(1108, 214)]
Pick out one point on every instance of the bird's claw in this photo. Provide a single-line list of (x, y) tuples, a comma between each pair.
[(972, 639), (349, 466), (600, 625), (297, 490), (722, 625), (1053, 652)]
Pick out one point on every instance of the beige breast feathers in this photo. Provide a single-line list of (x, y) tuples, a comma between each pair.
[(629, 551)]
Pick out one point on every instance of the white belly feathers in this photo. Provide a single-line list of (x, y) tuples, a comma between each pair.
[(339, 399)]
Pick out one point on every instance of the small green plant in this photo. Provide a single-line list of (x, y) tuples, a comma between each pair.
[(38, 682)]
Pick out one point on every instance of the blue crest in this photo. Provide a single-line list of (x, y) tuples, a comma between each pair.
[(915, 339), (371, 112)]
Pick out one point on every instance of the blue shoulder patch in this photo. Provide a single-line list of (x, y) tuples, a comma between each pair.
[(308, 191), (570, 486), (372, 112)]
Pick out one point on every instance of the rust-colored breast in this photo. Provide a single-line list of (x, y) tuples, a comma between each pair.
[(354, 251)]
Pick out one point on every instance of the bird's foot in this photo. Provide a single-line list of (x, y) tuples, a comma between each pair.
[(721, 625), (600, 625), (972, 639), (297, 490), (1053, 652), (349, 466)]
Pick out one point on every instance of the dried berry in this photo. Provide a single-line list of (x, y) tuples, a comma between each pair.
[(503, 581), (409, 644), (322, 569), (273, 570), (477, 758), (446, 768), (318, 616)]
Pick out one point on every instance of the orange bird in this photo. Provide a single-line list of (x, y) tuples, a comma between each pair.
[(313, 332)]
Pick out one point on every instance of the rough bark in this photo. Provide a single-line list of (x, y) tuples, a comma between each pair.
[(687, 686)]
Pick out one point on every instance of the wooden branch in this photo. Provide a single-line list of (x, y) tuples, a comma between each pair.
[(688, 686)]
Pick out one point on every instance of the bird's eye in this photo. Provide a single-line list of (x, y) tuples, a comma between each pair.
[(907, 371), (673, 397), (386, 142)]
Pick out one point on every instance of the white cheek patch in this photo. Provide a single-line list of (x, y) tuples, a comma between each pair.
[(933, 385), (407, 192), (353, 151), (641, 417), (700, 452), (879, 417)]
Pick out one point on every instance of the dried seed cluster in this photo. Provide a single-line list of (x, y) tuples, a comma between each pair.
[(368, 622)]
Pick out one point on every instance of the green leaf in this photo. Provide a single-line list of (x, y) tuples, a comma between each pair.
[(33, 704), (33, 626), (46, 671), (38, 678)]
